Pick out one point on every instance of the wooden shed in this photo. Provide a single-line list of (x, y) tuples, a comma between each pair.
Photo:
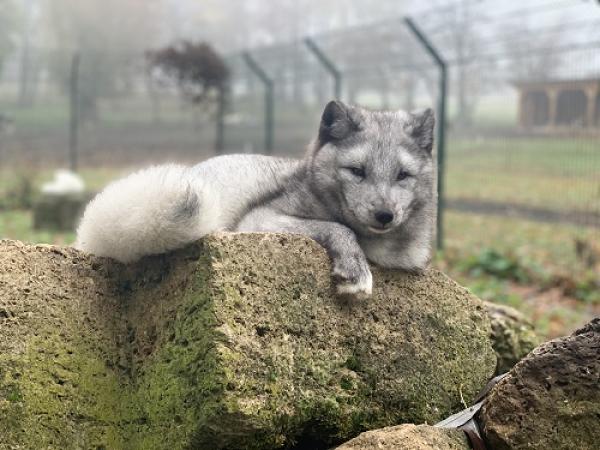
[(556, 105)]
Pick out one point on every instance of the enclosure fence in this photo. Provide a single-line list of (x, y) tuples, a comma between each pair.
[(523, 103)]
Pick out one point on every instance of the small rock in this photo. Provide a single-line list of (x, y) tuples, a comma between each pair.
[(409, 437), (550, 399), (513, 336)]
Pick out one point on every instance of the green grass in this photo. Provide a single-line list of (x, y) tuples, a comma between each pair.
[(95, 179), (526, 265), (549, 246), (45, 116), (18, 225), (20, 188), (560, 157), (562, 174), (545, 172)]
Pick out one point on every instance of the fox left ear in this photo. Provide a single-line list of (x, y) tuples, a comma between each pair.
[(419, 126), (338, 122)]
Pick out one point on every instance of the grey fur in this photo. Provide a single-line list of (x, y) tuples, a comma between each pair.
[(188, 206)]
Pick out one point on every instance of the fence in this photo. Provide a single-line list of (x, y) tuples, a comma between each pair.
[(523, 100)]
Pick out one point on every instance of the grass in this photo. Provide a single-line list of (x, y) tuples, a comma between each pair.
[(533, 156), (45, 116), (530, 266), (95, 179), (481, 248), (555, 173), (550, 246), (18, 225), (562, 174), (53, 112), (20, 188)]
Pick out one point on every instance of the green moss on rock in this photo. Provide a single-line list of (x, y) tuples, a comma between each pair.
[(58, 385), (409, 437), (513, 336), (236, 342)]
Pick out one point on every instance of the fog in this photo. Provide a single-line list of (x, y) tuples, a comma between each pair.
[(236, 24), (487, 45)]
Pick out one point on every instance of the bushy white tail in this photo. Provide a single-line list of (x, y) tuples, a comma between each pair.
[(151, 211)]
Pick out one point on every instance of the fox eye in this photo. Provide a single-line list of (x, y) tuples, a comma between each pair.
[(357, 171), (402, 175)]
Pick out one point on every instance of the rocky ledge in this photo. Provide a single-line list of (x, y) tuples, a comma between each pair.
[(232, 343)]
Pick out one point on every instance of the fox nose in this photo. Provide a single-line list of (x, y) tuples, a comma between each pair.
[(384, 217)]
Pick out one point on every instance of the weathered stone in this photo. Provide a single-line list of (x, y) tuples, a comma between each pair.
[(409, 437), (513, 336), (61, 365), (550, 399), (235, 342)]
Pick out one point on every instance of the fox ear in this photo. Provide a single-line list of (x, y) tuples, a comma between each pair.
[(419, 126), (337, 122)]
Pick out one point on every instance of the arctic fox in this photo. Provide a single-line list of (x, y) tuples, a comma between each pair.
[(364, 191)]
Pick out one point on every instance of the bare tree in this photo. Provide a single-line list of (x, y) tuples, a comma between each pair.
[(199, 73), (459, 38), (106, 34), (8, 15), (465, 43), (534, 59), (27, 70)]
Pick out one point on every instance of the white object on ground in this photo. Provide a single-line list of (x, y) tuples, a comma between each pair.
[(64, 182)]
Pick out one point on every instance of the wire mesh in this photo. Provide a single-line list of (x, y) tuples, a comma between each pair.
[(531, 150)]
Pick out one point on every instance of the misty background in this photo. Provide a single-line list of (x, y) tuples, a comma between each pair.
[(128, 113)]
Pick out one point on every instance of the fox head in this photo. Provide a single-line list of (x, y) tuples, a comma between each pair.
[(374, 168)]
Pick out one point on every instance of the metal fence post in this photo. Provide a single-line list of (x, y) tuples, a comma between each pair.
[(74, 112), (441, 130), (220, 120), (269, 99), (328, 64)]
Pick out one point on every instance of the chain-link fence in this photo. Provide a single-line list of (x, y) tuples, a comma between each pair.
[(523, 134), (122, 116)]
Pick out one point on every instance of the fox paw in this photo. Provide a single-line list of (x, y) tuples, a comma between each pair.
[(353, 278)]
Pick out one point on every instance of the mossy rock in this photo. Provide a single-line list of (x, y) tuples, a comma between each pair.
[(409, 437), (236, 342), (61, 369), (550, 399), (513, 335)]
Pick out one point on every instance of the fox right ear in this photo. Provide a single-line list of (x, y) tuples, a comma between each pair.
[(337, 122), (420, 127)]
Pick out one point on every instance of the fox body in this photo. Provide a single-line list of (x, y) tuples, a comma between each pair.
[(364, 191)]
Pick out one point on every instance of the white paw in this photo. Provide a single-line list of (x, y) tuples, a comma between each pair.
[(361, 289)]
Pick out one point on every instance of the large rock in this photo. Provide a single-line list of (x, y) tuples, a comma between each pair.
[(513, 336), (409, 437), (551, 399), (235, 342)]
